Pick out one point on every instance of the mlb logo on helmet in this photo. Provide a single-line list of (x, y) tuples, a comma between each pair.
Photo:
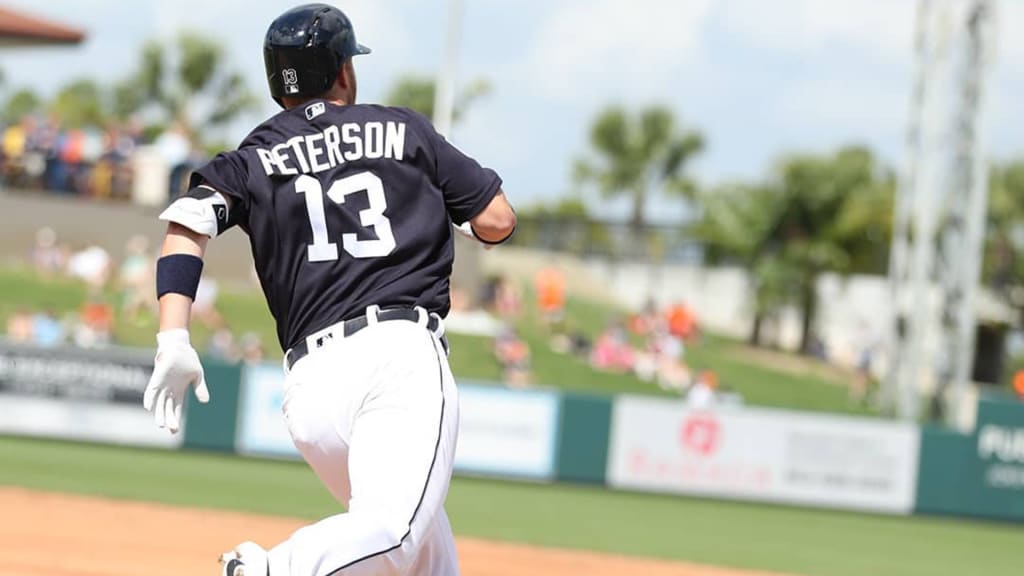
[(291, 80)]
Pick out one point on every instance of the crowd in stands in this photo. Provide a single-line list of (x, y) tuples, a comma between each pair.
[(117, 290), (649, 344), (38, 153)]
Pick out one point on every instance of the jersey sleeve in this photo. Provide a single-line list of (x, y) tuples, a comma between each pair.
[(467, 187), (227, 173)]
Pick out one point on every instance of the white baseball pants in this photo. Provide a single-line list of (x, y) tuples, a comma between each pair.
[(376, 416)]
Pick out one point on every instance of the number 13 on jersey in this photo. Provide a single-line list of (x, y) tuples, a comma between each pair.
[(323, 250)]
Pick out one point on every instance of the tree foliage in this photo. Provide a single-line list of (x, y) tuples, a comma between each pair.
[(815, 214), (418, 93), (635, 154), (186, 82), (80, 104), (1004, 239), (22, 103)]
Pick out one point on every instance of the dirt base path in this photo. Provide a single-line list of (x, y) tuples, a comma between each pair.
[(48, 534)]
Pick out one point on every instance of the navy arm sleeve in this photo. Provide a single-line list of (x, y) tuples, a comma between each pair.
[(228, 174), (467, 187)]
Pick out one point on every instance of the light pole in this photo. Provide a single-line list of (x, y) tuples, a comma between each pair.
[(444, 95)]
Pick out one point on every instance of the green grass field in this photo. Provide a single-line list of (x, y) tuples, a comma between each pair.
[(245, 311), (764, 537)]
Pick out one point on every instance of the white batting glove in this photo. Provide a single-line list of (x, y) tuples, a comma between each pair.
[(175, 368), (465, 229)]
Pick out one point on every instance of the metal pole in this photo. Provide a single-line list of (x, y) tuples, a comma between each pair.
[(903, 366), (981, 24), (444, 95)]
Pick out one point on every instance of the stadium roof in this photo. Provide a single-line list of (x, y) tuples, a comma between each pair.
[(20, 29)]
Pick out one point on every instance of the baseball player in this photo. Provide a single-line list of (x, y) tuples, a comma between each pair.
[(349, 211)]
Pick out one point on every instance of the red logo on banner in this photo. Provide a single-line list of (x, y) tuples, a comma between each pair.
[(700, 433)]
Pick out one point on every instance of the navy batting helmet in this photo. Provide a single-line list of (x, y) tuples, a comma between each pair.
[(304, 49)]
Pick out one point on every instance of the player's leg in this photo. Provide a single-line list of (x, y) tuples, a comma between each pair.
[(401, 447), (314, 407), (438, 554)]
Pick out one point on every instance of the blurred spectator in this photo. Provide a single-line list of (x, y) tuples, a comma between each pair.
[(48, 258), (862, 383), (70, 153), (666, 345), (175, 148), (92, 265), (612, 351), (85, 173), (222, 345), (549, 283), (682, 323), (95, 325), (204, 306), (645, 365), (91, 162), (513, 353), (702, 393), (19, 326), (135, 277), (121, 145), (647, 321), (252, 348), (47, 329), (673, 375), (501, 296), (571, 341), (461, 300), (1018, 383), (15, 142)]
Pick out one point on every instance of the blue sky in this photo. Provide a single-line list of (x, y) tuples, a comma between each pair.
[(758, 78)]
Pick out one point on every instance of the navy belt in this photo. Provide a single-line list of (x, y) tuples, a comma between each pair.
[(350, 327)]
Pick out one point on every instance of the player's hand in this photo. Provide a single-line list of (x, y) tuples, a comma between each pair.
[(175, 369)]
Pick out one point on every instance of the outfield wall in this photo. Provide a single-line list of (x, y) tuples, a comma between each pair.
[(626, 442)]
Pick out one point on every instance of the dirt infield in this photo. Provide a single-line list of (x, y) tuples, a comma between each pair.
[(46, 534)]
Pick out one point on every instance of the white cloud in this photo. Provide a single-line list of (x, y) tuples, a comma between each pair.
[(1010, 41), (597, 47), (808, 25)]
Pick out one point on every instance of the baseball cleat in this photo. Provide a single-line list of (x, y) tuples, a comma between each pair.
[(231, 565), (247, 559)]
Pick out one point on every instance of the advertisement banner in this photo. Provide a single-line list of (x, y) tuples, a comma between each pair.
[(501, 432), (759, 454), (78, 394), (977, 474), (1000, 449), (261, 427), (507, 432)]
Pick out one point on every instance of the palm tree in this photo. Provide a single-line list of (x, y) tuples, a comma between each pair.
[(188, 82), (1004, 243), (734, 227), (816, 214), (20, 104), (79, 104), (417, 93), (635, 154)]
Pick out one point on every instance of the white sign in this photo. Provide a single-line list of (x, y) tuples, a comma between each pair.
[(127, 424), (261, 426), (758, 454), (507, 432)]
